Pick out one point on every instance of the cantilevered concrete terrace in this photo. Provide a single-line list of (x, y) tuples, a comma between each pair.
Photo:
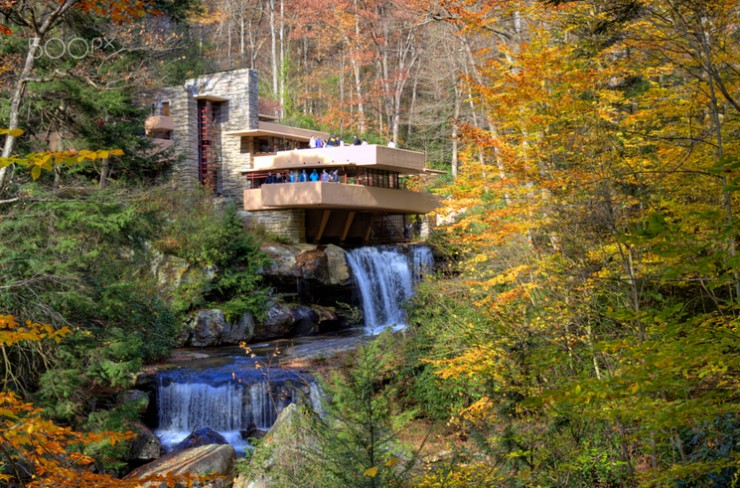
[(380, 157), (369, 180), (331, 195), (277, 130)]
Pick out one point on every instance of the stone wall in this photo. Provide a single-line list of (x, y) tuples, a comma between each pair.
[(184, 136), (286, 224), (290, 225), (238, 112), (426, 227), (235, 93)]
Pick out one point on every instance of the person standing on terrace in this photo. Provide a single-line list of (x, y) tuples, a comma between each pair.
[(303, 177), (356, 141), (312, 143), (314, 176)]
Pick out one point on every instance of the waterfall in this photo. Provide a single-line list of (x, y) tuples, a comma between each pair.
[(385, 278), (227, 399), (230, 394)]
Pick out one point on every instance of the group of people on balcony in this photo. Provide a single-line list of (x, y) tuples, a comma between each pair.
[(303, 176), (333, 141)]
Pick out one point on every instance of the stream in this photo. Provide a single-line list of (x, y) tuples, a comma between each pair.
[(231, 390)]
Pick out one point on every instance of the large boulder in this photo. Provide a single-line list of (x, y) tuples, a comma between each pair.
[(288, 426), (212, 460), (145, 447), (329, 320), (241, 330), (201, 437), (325, 265), (278, 323), (311, 266), (283, 320), (336, 265), (282, 451), (208, 328), (283, 259), (305, 320)]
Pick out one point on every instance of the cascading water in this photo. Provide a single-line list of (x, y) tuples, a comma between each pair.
[(238, 391), (227, 399), (385, 278)]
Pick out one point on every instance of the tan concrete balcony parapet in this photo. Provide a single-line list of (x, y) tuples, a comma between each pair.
[(338, 196), (376, 156), (159, 123), (276, 130)]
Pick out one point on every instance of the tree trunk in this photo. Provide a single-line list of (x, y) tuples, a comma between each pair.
[(362, 126), (242, 35), (385, 74), (273, 50), (104, 173), (455, 130), (412, 105), (283, 73), (341, 93), (16, 100), (41, 26), (228, 44)]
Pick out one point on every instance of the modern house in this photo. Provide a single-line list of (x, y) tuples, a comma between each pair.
[(226, 144)]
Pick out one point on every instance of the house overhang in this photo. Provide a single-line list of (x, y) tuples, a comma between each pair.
[(269, 129), (374, 156), (325, 195)]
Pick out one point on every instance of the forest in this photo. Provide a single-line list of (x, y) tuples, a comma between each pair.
[(581, 329)]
